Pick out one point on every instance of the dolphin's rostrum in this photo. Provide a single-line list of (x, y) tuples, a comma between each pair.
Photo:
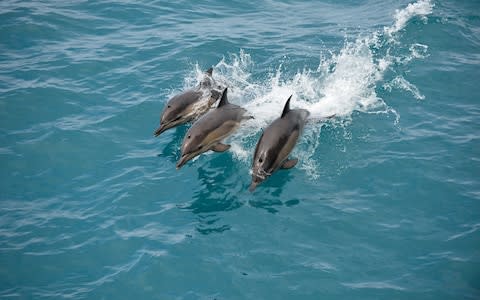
[(208, 132), (190, 104), (276, 144)]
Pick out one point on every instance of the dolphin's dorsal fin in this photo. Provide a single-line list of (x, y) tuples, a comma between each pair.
[(209, 71), (286, 109), (224, 99)]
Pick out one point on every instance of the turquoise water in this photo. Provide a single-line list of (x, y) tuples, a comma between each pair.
[(383, 204)]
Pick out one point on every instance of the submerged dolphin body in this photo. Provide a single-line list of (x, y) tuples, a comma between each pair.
[(189, 105), (276, 143), (208, 131)]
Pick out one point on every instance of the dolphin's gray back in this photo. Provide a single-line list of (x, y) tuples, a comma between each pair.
[(278, 139), (217, 117), (186, 98)]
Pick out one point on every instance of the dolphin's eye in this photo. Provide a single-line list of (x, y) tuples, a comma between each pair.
[(260, 160), (168, 106), (189, 137)]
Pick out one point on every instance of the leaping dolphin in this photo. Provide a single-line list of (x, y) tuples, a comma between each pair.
[(190, 104), (208, 131), (276, 143)]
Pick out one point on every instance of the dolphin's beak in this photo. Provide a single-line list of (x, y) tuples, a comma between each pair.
[(160, 129), (253, 185), (182, 160)]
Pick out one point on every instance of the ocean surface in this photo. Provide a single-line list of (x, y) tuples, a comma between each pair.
[(383, 204)]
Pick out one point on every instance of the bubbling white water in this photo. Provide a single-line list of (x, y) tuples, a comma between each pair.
[(420, 8), (341, 84)]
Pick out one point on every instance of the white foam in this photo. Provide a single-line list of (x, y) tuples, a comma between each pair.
[(418, 50), (420, 8), (401, 83)]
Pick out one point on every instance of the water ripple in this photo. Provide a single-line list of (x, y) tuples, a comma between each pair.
[(374, 285), (91, 203), (153, 231)]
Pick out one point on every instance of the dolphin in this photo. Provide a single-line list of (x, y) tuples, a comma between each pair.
[(276, 143), (208, 132), (190, 104)]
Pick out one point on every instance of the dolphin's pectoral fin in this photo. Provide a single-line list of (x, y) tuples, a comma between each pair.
[(289, 163), (219, 147)]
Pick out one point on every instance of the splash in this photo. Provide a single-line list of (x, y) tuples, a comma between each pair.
[(343, 83), (401, 83), (420, 8)]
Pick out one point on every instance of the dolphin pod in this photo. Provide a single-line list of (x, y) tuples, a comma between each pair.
[(210, 128), (190, 104)]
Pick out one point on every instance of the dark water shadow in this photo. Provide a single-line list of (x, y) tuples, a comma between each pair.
[(172, 149), (218, 193), (268, 195)]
